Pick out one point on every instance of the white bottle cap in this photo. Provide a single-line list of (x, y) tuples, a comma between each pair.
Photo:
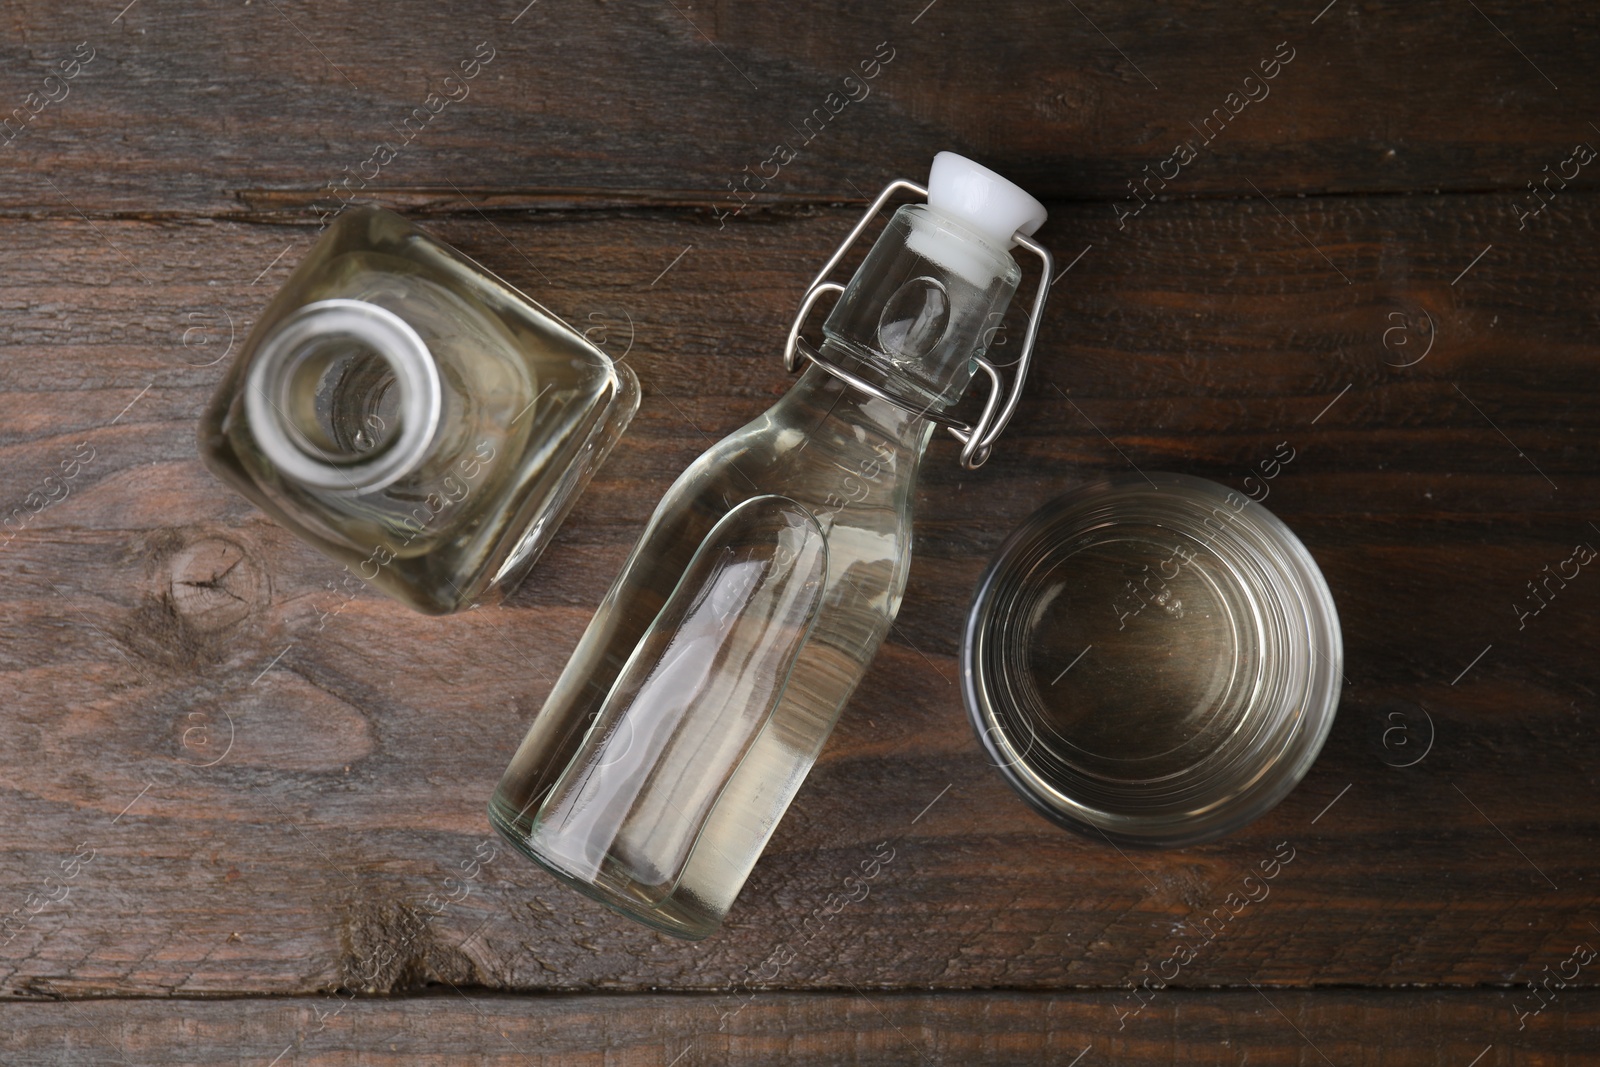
[(979, 197)]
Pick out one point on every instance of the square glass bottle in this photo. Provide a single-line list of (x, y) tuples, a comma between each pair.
[(413, 416)]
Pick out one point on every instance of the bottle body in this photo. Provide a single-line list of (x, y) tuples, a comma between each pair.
[(853, 479), (412, 416), (710, 677)]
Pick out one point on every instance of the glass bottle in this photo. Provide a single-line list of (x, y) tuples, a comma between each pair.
[(706, 683), (413, 416)]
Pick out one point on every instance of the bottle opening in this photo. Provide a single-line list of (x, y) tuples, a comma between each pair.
[(344, 395), (341, 399)]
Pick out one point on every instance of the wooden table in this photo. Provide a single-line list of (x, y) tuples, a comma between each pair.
[(230, 822)]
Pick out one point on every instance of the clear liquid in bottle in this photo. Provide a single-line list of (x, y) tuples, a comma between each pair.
[(413, 416), (710, 677)]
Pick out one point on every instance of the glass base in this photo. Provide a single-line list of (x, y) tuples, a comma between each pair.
[(1152, 659)]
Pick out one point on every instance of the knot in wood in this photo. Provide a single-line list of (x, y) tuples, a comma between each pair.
[(213, 585)]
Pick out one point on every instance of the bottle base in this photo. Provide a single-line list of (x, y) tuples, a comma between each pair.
[(671, 915)]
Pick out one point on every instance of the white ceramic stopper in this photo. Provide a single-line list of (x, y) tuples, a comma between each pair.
[(982, 199)]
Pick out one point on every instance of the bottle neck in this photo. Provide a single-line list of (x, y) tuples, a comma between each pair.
[(344, 395), (820, 398), (918, 397), (925, 303)]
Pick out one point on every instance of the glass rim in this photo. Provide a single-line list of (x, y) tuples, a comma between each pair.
[(1288, 730)]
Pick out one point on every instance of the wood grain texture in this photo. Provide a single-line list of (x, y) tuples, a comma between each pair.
[(274, 781), (255, 107), (245, 814), (1270, 1026)]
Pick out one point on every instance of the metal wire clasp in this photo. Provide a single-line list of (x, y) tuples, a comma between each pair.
[(977, 441)]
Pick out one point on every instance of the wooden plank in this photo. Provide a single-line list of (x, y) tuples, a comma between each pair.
[(273, 781), (257, 107), (1270, 1026)]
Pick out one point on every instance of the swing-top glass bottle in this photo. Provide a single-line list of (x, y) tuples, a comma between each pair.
[(717, 664)]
